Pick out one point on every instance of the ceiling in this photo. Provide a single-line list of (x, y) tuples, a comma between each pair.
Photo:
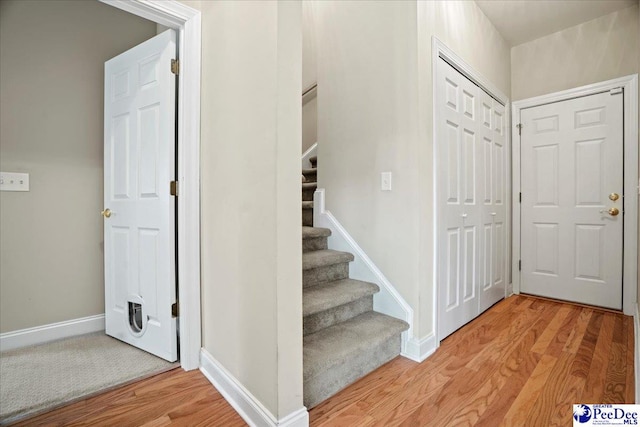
[(520, 21)]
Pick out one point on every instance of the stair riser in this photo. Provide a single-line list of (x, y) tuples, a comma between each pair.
[(324, 274), (324, 319), (307, 194), (310, 176), (307, 218), (314, 244), (330, 381)]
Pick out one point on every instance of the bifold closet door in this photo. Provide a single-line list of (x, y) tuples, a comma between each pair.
[(471, 188)]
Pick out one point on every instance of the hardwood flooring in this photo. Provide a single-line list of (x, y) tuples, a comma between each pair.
[(522, 363)]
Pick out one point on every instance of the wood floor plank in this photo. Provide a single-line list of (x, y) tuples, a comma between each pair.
[(523, 363), (542, 410), (551, 331), (631, 390), (594, 388), (615, 385), (573, 342), (518, 413)]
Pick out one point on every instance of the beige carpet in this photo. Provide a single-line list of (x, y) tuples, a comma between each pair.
[(33, 379)]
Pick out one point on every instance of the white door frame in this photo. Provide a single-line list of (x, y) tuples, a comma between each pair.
[(440, 50), (630, 231), (186, 21)]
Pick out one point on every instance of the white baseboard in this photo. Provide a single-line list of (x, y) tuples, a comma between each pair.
[(388, 301), (245, 403), (306, 164), (418, 350), (51, 332), (636, 351)]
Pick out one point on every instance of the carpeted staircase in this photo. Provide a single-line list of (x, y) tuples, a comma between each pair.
[(344, 339)]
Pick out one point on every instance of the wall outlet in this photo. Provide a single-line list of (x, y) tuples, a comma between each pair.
[(14, 181), (385, 181)]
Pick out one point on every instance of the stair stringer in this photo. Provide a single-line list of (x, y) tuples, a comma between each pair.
[(388, 301)]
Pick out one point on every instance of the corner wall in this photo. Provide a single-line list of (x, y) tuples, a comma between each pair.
[(251, 247), (52, 56)]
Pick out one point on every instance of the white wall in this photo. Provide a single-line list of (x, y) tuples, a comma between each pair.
[(375, 115), (309, 123), (309, 77), (250, 195), (52, 56), (598, 50)]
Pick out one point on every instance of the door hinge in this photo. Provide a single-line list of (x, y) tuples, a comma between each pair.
[(175, 311), (520, 199), (173, 188), (615, 90), (519, 265), (519, 126), (175, 66)]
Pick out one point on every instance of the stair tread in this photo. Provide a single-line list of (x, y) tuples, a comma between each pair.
[(323, 258), (333, 345), (311, 232), (306, 185), (324, 297), (310, 171), (307, 204)]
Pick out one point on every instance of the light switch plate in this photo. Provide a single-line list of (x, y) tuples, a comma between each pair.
[(14, 181), (385, 181)]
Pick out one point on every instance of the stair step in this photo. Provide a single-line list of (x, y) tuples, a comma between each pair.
[(314, 161), (326, 305), (324, 258), (313, 232), (337, 356), (311, 175), (308, 188), (324, 266), (320, 298), (314, 239)]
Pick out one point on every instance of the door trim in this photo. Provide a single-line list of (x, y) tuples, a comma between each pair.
[(630, 246), (186, 21), (440, 50)]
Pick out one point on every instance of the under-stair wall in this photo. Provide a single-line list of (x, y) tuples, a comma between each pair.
[(388, 301)]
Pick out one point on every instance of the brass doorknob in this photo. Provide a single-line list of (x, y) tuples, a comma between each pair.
[(613, 211), (107, 213), (614, 196)]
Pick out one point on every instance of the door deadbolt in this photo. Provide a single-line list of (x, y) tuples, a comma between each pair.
[(614, 196)]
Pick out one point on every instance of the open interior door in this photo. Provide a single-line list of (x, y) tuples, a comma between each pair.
[(139, 212)]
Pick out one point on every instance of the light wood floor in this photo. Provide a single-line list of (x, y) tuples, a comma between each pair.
[(523, 363)]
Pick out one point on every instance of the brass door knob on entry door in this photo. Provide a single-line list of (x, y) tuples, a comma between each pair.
[(613, 211), (106, 213)]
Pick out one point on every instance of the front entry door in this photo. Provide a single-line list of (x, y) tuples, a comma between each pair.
[(139, 223), (572, 205)]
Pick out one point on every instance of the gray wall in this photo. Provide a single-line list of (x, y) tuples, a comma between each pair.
[(52, 56)]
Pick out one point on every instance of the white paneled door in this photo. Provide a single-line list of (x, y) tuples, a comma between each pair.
[(471, 179), (139, 223), (572, 210)]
